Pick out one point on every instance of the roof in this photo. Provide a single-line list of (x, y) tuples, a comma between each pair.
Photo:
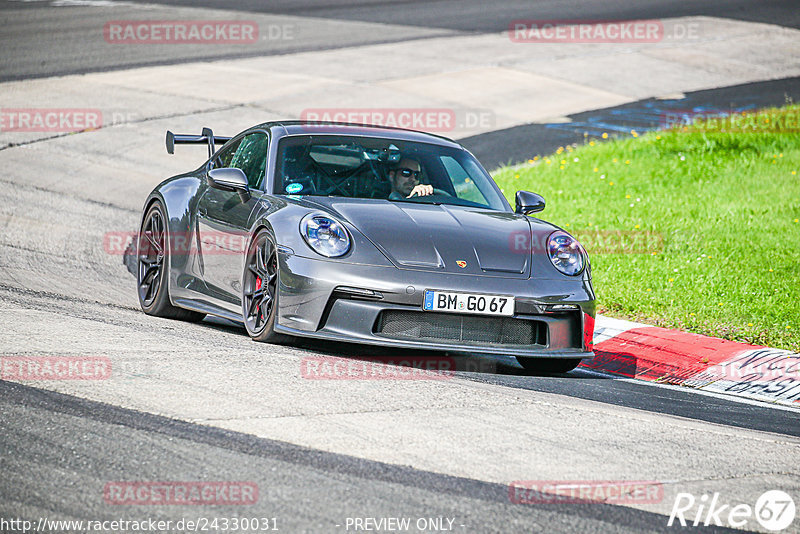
[(296, 127)]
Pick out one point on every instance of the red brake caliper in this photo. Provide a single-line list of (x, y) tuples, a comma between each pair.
[(258, 286)]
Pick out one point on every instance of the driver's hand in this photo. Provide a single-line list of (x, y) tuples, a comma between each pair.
[(421, 190)]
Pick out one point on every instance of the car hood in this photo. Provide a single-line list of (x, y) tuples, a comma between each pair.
[(443, 238)]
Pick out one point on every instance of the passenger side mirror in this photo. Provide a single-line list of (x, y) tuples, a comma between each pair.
[(229, 179), (528, 202)]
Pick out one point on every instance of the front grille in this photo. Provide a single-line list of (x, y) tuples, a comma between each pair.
[(460, 329)]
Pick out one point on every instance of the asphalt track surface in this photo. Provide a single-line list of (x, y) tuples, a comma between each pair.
[(58, 450), (68, 39), (476, 16), (307, 490)]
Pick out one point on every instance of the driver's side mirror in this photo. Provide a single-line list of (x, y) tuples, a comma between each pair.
[(528, 202), (229, 179)]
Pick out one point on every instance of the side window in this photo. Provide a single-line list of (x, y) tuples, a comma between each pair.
[(224, 158), (251, 157)]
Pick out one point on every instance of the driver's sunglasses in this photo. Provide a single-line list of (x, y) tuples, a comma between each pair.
[(405, 173)]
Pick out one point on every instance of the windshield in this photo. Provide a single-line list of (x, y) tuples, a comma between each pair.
[(399, 171)]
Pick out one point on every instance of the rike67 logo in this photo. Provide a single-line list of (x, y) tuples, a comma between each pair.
[(774, 510)]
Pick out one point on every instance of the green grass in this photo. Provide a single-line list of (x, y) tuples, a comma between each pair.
[(725, 207)]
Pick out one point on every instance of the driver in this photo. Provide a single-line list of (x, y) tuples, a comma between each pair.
[(405, 180)]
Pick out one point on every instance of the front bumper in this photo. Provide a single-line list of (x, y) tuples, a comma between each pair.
[(352, 303)]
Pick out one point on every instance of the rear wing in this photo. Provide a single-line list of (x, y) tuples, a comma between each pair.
[(207, 137)]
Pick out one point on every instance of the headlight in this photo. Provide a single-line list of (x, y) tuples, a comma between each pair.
[(325, 235), (566, 253)]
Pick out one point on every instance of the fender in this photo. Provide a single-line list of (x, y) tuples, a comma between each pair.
[(179, 195)]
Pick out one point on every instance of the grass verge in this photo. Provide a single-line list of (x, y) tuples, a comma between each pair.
[(695, 228)]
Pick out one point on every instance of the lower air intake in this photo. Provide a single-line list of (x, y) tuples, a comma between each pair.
[(461, 329)]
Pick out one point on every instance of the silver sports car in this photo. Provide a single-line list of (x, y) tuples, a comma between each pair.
[(363, 234)]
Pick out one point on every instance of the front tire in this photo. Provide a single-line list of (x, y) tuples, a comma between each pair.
[(260, 289), (152, 276), (549, 366)]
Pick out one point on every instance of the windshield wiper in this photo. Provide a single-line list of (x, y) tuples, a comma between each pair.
[(433, 202)]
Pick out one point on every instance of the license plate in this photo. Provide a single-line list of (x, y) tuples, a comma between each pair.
[(446, 301)]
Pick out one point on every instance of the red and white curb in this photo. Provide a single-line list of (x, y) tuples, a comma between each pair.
[(660, 355)]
